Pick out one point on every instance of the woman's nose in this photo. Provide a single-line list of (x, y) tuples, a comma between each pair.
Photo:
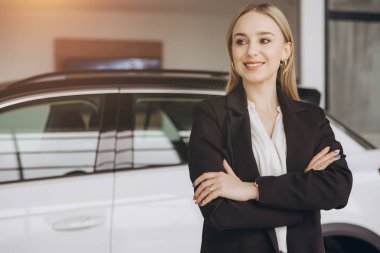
[(253, 49)]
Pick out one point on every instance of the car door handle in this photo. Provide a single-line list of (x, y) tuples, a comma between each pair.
[(80, 222)]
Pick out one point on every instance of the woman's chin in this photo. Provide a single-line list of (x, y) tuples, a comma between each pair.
[(256, 78)]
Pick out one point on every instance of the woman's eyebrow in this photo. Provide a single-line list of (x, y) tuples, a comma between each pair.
[(240, 34), (259, 33)]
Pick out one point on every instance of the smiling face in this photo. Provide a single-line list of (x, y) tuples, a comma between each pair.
[(258, 46)]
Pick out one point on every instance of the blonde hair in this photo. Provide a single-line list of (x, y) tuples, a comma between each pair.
[(286, 75)]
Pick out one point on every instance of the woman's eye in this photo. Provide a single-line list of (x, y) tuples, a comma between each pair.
[(241, 42), (264, 41)]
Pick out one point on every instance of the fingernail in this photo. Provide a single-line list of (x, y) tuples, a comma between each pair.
[(336, 151), (337, 157), (328, 147)]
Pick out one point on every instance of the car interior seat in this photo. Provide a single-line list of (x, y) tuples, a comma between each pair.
[(64, 119)]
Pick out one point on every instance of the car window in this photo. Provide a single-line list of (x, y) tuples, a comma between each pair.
[(162, 128), (47, 138)]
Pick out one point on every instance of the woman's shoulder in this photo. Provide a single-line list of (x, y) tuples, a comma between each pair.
[(215, 102), (316, 111), (308, 106), (214, 107)]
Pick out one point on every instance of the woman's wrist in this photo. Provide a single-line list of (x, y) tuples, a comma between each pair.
[(253, 191), (257, 190)]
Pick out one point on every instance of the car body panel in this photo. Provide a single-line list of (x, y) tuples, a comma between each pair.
[(139, 196), (30, 212), (362, 208), (153, 215)]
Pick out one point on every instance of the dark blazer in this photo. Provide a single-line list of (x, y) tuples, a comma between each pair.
[(221, 130)]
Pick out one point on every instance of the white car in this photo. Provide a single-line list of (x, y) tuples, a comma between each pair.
[(96, 161)]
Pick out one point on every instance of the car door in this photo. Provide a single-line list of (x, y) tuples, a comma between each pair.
[(56, 164), (154, 210)]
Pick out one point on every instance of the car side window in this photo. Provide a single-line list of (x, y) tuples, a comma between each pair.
[(49, 138), (162, 128)]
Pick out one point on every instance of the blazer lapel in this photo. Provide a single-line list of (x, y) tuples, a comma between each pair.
[(239, 142), (239, 135), (297, 132)]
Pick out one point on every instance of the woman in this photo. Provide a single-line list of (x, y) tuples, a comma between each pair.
[(264, 164)]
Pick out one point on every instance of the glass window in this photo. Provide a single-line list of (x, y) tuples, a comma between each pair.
[(121, 63), (355, 5), (49, 138), (162, 128), (354, 63)]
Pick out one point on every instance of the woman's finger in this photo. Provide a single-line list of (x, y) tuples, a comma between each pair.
[(325, 164), (318, 159), (307, 169), (228, 168), (325, 158), (203, 185), (204, 176), (204, 194), (319, 155), (328, 162), (213, 195), (201, 196)]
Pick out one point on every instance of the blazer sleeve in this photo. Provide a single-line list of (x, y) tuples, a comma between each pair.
[(324, 189), (206, 154)]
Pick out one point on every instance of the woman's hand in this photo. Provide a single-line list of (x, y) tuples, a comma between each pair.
[(220, 184), (323, 159)]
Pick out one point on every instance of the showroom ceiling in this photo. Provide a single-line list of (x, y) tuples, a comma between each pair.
[(188, 6)]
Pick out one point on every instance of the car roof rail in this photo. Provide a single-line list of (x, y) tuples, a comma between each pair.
[(306, 94), (62, 75)]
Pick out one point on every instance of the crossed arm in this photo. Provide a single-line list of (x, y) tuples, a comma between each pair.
[(226, 184), (228, 203)]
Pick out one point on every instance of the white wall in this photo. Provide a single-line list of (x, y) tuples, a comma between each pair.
[(189, 41), (313, 45)]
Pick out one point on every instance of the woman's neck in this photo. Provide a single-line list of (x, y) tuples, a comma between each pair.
[(263, 95)]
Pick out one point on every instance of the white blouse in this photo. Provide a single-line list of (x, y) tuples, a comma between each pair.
[(270, 154)]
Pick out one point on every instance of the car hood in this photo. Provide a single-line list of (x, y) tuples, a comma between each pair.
[(368, 160)]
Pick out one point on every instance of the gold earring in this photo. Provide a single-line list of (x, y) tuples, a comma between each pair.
[(283, 63)]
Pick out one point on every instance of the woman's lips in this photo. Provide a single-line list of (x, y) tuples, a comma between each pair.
[(254, 65)]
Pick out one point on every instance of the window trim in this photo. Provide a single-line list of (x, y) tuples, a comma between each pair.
[(172, 91), (110, 95), (130, 95), (47, 95)]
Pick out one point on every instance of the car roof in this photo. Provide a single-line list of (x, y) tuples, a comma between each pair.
[(183, 79), (154, 78)]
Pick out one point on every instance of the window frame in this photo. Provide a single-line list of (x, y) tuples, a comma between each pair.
[(108, 106), (128, 96)]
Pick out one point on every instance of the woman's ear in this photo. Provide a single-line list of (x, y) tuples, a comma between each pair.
[(287, 50)]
